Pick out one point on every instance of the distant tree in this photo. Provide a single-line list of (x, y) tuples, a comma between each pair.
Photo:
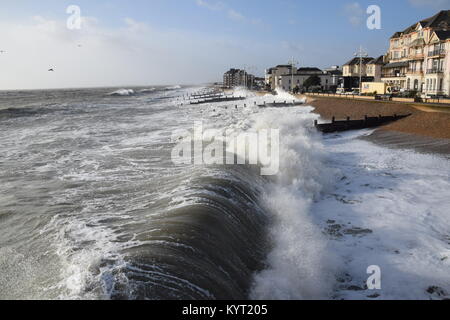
[(312, 82)]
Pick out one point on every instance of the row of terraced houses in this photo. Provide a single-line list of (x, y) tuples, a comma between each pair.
[(418, 60)]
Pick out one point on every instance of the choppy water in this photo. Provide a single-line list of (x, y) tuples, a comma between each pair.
[(92, 207)]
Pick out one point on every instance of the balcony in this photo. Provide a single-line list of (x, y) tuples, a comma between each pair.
[(435, 71), (414, 72), (393, 75), (417, 56), (436, 53)]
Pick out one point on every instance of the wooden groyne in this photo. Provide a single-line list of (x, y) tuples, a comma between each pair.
[(213, 100), (366, 123), (284, 104)]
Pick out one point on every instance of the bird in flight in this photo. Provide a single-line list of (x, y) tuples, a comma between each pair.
[(51, 70)]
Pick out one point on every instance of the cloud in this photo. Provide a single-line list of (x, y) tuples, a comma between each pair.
[(134, 53), (354, 13), (437, 4)]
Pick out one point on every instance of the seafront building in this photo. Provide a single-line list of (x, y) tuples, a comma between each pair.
[(366, 69), (288, 78), (273, 75), (238, 78), (418, 57)]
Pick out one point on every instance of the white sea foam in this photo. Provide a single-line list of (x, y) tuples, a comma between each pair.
[(147, 90), (402, 197), (122, 92), (299, 266), (173, 87)]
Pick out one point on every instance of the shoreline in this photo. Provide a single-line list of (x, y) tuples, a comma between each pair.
[(424, 131)]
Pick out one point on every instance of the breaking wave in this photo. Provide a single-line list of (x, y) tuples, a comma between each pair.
[(122, 92)]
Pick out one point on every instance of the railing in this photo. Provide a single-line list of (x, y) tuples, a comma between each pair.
[(402, 57), (435, 71), (436, 52), (393, 75), (435, 100), (414, 71), (417, 56)]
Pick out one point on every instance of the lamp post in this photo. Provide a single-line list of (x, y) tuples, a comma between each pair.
[(361, 54)]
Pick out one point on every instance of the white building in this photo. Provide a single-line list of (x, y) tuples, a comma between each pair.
[(284, 82)]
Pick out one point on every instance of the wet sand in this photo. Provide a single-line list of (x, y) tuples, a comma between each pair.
[(424, 131)]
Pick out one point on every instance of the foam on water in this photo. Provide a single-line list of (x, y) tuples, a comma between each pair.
[(122, 92), (95, 199)]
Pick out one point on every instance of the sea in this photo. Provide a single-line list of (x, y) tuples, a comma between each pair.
[(93, 207)]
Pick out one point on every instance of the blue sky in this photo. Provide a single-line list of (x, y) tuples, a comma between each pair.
[(186, 37)]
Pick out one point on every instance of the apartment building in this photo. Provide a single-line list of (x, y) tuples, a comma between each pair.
[(418, 57), (238, 78)]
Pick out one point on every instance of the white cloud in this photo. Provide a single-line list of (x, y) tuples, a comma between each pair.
[(134, 53), (437, 4), (354, 13)]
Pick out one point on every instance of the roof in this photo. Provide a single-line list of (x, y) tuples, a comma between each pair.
[(396, 35), (335, 72), (284, 66), (440, 21), (443, 35), (234, 71), (379, 60), (308, 69), (356, 61), (396, 65)]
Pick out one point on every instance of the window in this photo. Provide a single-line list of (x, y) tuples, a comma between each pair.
[(441, 84)]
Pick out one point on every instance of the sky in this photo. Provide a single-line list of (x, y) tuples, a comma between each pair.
[(169, 42)]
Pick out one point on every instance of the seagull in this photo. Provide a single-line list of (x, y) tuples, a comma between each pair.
[(51, 70)]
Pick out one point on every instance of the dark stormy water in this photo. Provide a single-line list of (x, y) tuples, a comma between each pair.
[(93, 207)]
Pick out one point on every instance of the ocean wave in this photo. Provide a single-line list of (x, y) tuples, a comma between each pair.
[(122, 92), (147, 90), (173, 87)]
